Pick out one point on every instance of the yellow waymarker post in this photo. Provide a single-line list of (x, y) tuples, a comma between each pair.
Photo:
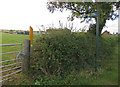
[(31, 35)]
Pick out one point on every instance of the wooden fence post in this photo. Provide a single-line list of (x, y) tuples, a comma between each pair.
[(26, 59)]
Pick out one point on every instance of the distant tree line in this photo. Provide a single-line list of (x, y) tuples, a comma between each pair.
[(16, 32)]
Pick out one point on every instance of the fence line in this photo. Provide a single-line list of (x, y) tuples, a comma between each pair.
[(9, 60), (18, 67), (10, 44), (11, 74), (10, 65), (9, 53), (10, 69)]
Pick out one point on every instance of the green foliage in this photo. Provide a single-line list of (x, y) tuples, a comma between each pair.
[(81, 9), (107, 73), (92, 29), (106, 47), (71, 79), (62, 51)]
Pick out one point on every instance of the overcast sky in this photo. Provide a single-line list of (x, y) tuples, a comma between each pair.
[(20, 14)]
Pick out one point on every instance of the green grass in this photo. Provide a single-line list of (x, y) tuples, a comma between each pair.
[(105, 76), (110, 74), (12, 39)]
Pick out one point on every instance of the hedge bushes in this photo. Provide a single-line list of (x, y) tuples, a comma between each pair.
[(62, 51)]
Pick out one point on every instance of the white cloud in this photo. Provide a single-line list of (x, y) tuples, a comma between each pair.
[(112, 26), (27, 12), (20, 14)]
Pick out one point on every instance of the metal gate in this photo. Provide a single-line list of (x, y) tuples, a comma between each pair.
[(14, 65)]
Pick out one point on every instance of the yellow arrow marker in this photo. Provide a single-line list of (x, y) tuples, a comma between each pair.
[(88, 14)]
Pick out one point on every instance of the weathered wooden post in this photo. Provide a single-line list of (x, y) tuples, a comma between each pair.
[(27, 45), (26, 59)]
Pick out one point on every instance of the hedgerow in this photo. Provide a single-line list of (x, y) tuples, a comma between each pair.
[(61, 51)]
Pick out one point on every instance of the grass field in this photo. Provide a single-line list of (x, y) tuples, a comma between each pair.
[(106, 76), (11, 39)]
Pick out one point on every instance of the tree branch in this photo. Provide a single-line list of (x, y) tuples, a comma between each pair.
[(76, 11)]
